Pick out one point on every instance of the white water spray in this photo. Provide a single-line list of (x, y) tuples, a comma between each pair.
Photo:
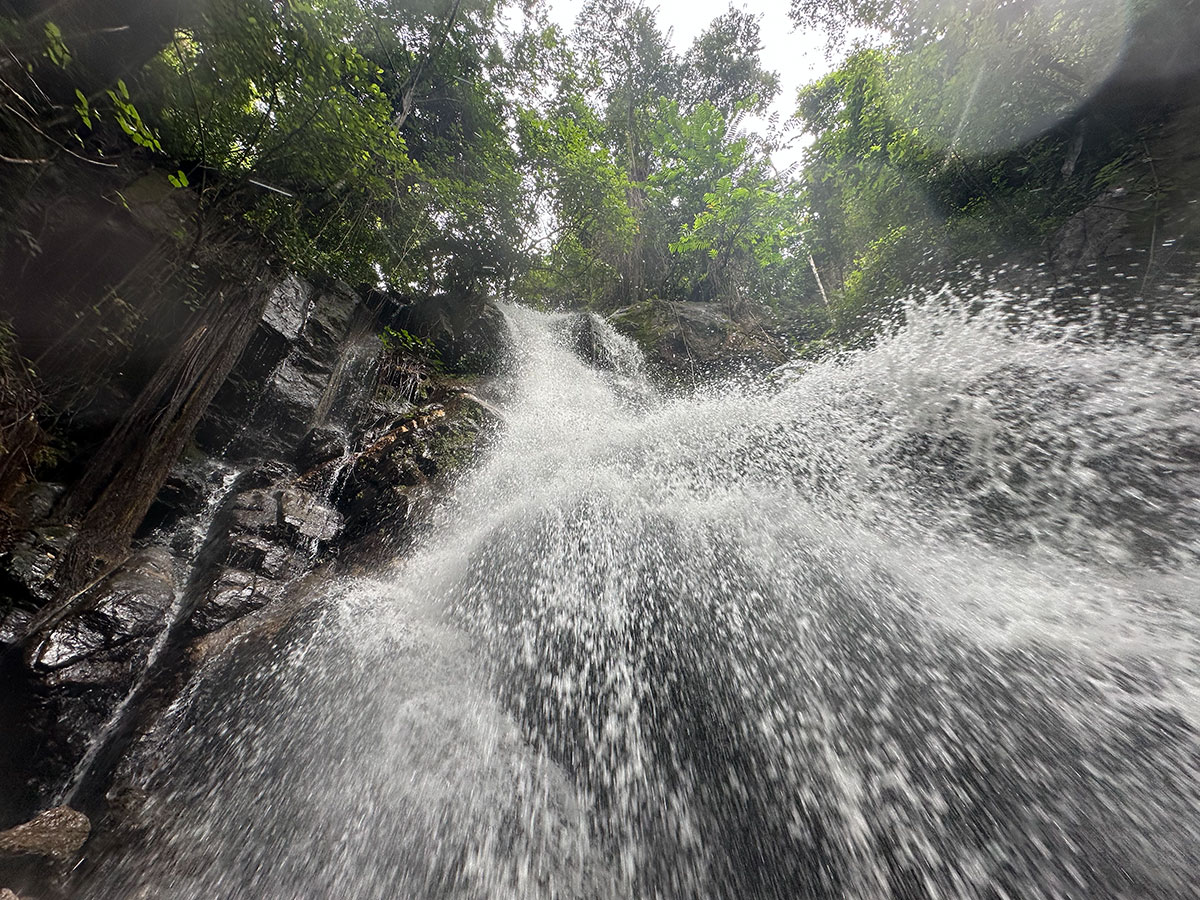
[(921, 622)]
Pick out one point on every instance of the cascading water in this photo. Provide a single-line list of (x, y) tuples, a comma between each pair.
[(188, 536), (921, 622)]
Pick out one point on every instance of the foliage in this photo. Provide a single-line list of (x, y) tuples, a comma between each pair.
[(653, 187), (973, 133), (407, 363), (281, 99), (407, 143), (722, 67), (126, 116), (740, 220), (367, 140), (29, 114), (401, 341), (56, 51), (435, 146)]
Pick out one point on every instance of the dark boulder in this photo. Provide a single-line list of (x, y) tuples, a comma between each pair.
[(584, 337), (469, 333), (280, 511), (184, 495), (35, 501), (235, 593), (269, 530), (288, 307), (292, 396), (75, 670), (389, 477), (280, 389), (689, 342), (307, 518), (32, 563)]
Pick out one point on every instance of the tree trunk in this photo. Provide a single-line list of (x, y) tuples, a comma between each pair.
[(122, 480)]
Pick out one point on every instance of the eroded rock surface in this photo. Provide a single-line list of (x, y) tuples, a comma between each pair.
[(57, 833)]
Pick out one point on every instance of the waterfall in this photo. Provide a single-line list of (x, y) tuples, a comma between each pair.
[(919, 621)]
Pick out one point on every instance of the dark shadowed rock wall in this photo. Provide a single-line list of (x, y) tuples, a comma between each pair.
[(323, 448)]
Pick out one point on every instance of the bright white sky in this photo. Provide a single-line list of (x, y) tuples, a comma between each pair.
[(797, 56)]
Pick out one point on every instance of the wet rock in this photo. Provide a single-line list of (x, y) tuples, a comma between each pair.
[(294, 395), (328, 324), (592, 340), (100, 643), (261, 556), (418, 450), (270, 530), (234, 594), (583, 336), (288, 307), (263, 473), (255, 511), (320, 445), (686, 342), (57, 833), (277, 391), (375, 507), (34, 559), (231, 415), (185, 493), (282, 513), (13, 624), (75, 670), (307, 518), (1092, 233), (35, 501)]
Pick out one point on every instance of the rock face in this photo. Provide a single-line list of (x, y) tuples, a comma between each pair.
[(269, 529), (313, 449), (584, 336), (32, 562), (275, 395), (391, 475), (690, 342), (57, 833), (321, 445), (76, 668), (94, 644)]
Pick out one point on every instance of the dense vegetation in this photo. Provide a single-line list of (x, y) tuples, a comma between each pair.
[(466, 146)]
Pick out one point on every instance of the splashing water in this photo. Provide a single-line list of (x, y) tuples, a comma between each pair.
[(919, 622)]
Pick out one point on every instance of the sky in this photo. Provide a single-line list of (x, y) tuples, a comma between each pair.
[(797, 56)]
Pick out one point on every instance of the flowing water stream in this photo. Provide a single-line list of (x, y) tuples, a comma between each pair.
[(920, 622)]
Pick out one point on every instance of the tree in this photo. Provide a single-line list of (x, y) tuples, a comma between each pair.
[(722, 67), (632, 67), (365, 140), (702, 214), (734, 221)]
